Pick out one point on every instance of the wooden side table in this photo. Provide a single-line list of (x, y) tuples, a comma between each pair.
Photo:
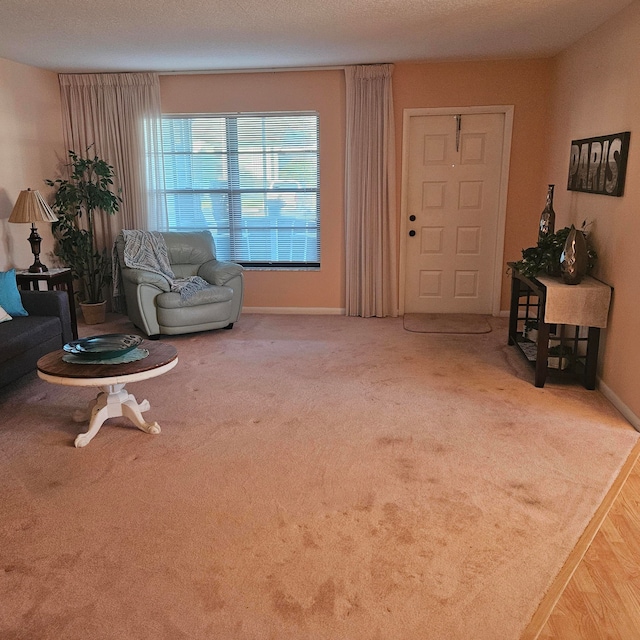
[(55, 279)]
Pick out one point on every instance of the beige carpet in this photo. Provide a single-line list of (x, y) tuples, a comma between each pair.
[(446, 323), (315, 478)]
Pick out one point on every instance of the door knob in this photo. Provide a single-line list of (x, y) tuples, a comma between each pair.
[(412, 233)]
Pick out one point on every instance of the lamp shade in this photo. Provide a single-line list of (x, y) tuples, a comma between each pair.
[(31, 207)]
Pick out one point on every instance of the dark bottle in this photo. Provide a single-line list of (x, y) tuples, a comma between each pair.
[(547, 217)]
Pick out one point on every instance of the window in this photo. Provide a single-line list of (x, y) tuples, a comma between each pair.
[(252, 179)]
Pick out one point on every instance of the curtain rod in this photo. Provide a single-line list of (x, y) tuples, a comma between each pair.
[(255, 70)]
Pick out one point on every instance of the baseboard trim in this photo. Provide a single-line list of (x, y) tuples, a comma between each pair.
[(308, 311), (619, 405)]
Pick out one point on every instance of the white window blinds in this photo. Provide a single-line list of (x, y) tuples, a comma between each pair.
[(252, 179)]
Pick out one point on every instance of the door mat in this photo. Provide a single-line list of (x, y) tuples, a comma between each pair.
[(446, 323)]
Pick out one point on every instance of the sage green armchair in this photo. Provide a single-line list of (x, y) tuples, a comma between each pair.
[(156, 310)]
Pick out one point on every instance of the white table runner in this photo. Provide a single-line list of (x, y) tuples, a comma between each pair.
[(585, 304)]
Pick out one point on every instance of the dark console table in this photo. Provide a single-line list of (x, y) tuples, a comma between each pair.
[(557, 326)]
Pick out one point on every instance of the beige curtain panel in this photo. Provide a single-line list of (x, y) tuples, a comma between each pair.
[(370, 193), (119, 116)]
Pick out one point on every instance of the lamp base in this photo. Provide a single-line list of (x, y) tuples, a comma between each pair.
[(38, 267), (34, 241)]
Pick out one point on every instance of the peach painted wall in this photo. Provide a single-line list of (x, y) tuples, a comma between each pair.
[(321, 91), (597, 92), (525, 84), (30, 142)]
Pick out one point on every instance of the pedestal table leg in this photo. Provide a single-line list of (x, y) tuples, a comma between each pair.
[(113, 401)]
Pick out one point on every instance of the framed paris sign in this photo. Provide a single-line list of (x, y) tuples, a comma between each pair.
[(599, 165)]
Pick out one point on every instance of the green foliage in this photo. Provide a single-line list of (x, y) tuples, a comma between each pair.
[(87, 192), (560, 350), (544, 258)]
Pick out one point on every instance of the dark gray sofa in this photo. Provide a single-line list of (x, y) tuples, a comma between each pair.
[(24, 340)]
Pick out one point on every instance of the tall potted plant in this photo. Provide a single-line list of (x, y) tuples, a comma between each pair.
[(87, 193)]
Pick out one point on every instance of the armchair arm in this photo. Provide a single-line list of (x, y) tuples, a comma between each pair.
[(219, 272), (139, 276)]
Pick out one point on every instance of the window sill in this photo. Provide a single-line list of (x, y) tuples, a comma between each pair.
[(276, 269)]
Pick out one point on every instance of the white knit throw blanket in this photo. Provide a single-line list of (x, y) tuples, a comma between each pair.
[(147, 250)]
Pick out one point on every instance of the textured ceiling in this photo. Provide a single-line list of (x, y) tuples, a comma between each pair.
[(202, 35)]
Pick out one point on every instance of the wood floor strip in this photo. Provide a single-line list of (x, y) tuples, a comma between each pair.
[(539, 619)]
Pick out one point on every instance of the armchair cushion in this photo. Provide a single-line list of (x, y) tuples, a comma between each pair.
[(211, 295), (193, 247)]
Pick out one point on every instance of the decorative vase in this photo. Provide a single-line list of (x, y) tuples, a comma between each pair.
[(94, 313), (574, 260), (548, 216)]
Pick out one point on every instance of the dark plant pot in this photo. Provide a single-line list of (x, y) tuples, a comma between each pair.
[(94, 313)]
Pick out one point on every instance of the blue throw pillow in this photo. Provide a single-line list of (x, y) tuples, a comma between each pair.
[(10, 299)]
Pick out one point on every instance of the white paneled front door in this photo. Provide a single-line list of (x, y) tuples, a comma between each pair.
[(452, 207)]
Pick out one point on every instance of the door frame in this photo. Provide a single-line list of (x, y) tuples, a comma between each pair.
[(507, 110)]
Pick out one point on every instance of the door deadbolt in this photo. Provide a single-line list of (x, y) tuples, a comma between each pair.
[(412, 218)]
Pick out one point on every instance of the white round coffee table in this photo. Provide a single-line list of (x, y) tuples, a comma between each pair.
[(113, 400)]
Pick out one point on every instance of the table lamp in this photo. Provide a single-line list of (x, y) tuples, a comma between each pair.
[(31, 207)]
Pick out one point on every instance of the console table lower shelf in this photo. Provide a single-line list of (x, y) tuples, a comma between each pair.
[(557, 326)]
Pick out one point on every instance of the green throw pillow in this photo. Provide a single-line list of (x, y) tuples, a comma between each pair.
[(10, 299)]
